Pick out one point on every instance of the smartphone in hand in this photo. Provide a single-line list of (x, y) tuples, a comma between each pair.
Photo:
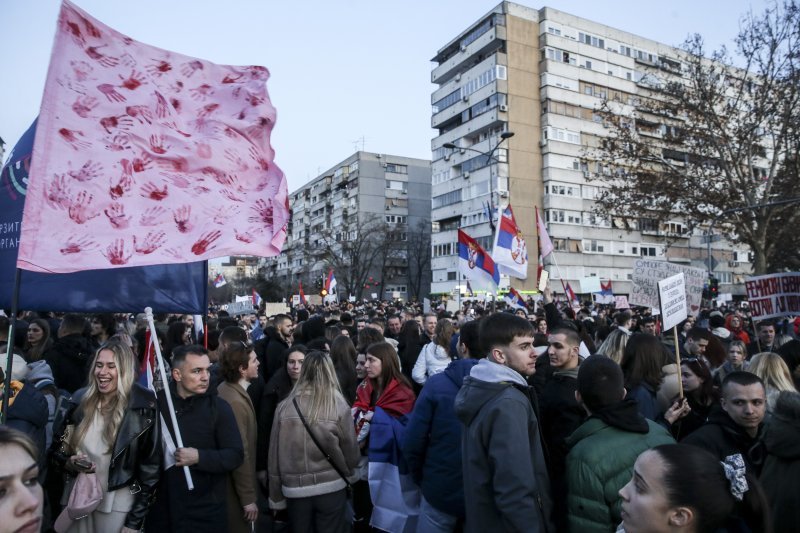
[(83, 464)]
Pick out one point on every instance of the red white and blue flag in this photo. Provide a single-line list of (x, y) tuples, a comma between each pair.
[(330, 282), (606, 294), (145, 379), (510, 253), (476, 265), (302, 295), (514, 299), (256, 299), (220, 281), (573, 299)]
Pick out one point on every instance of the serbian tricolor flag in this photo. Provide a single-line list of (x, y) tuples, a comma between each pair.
[(330, 282), (514, 299), (545, 244), (510, 253), (145, 379), (573, 299), (220, 281), (144, 156), (476, 265), (257, 299), (302, 294), (606, 294)]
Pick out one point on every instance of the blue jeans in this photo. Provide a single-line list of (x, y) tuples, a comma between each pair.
[(432, 520)]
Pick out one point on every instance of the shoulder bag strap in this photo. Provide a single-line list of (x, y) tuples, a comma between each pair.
[(316, 442)]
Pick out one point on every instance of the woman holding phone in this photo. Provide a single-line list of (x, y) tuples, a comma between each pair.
[(111, 431)]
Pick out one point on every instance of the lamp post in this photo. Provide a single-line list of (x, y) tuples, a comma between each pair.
[(490, 158), (710, 232)]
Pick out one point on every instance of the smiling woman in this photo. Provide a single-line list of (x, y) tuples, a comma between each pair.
[(112, 416), (21, 497)]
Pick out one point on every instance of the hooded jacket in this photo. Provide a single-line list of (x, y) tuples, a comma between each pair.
[(432, 443), (600, 462), (721, 436), (69, 359), (432, 360), (781, 471), (506, 486)]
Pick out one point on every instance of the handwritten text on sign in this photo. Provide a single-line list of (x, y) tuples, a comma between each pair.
[(773, 295), (672, 292), (647, 273)]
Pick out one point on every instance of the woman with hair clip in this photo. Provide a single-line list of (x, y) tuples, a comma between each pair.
[(110, 430), (682, 488), (239, 367), (772, 370), (683, 417), (313, 451), (435, 356)]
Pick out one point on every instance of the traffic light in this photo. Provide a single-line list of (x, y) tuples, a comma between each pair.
[(713, 287)]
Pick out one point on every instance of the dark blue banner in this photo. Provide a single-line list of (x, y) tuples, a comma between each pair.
[(166, 288)]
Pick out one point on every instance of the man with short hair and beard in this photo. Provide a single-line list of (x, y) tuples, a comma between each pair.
[(212, 448), (737, 427)]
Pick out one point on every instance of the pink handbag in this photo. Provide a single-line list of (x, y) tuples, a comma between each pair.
[(85, 497)]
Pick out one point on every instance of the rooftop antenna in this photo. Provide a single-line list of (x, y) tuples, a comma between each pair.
[(361, 140)]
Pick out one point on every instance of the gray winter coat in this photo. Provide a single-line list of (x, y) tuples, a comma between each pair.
[(506, 486)]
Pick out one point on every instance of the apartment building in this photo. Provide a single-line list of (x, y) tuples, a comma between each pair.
[(542, 75), (366, 198)]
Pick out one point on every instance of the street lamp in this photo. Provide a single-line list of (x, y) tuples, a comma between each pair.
[(710, 232), (489, 155)]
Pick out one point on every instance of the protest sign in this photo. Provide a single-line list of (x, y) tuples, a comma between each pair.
[(272, 308), (672, 294), (621, 302), (590, 284), (240, 308), (647, 273), (773, 295)]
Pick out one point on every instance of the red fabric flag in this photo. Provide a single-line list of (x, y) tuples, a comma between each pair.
[(302, 294), (145, 156)]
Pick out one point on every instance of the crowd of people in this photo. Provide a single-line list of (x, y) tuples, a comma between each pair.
[(385, 416)]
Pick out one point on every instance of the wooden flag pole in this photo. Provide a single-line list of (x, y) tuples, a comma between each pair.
[(178, 439), (12, 323), (678, 361)]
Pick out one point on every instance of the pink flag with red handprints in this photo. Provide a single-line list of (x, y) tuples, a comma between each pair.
[(144, 156)]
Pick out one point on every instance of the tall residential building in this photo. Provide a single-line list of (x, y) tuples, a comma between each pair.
[(368, 219), (542, 74)]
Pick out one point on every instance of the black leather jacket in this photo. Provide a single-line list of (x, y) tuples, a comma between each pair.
[(136, 457)]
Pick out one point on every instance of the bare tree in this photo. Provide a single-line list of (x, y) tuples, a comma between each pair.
[(418, 248), (709, 139), (353, 251)]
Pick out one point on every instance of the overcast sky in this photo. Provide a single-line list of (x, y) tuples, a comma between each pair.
[(342, 71)]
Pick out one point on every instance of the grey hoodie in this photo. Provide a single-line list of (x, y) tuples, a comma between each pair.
[(506, 487)]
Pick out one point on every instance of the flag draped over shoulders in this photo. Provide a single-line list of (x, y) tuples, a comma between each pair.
[(144, 156)]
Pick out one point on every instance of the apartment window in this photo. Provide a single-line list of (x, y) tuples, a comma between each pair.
[(559, 134), (593, 246), (648, 251), (396, 185), (449, 198), (562, 190), (588, 64), (591, 40), (395, 219), (396, 169), (451, 276), (595, 220), (625, 50)]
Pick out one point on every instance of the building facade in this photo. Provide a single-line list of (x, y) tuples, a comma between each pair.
[(368, 219), (543, 74)]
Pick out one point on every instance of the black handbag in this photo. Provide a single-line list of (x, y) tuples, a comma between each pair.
[(321, 449)]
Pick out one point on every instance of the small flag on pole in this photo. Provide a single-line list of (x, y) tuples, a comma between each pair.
[(510, 252), (302, 295), (257, 299), (475, 264), (545, 244), (514, 299), (219, 281)]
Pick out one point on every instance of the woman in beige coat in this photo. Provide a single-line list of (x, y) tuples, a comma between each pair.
[(301, 478), (239, 366)]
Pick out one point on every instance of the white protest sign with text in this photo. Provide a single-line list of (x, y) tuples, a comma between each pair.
[(672, 293), (773, 295)]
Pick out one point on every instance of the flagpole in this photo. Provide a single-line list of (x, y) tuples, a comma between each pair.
[(178, 439), (12, 322)]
